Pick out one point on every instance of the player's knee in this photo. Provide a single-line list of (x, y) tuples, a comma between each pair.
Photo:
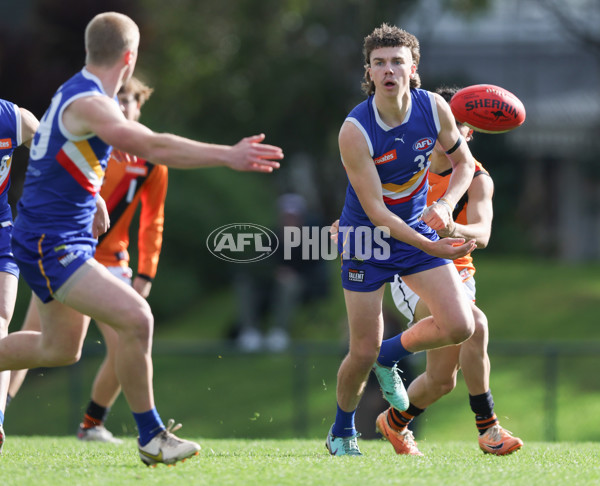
[(445, 386), (462, 330), (62, 356), (71, 358), (140, 323), (4, 322), (481, 326), (364, 354)]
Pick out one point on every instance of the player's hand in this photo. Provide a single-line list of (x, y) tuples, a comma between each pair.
[(249, 154), (448, 231), (142, 286), (121, 156), (451, 248), (101, 221), (334, 230), (437, 215)]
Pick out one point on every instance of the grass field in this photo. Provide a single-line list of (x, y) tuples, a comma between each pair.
[(40, 461), (219, 393), (230, 396)]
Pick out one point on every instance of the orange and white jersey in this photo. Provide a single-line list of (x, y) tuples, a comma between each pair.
[(126, 185), (438, 184)]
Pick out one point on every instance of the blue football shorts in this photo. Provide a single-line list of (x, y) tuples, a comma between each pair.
[(46, 261), (7, 259), (369, 274)]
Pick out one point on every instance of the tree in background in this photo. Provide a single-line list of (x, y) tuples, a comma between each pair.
[(290, 68)]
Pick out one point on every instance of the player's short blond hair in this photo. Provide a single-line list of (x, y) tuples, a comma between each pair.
[(140, 90), (107, 36)]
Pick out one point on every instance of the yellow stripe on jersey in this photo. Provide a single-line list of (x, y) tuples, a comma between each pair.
[(90, 157), (401, 187), (397, 188), (85, 160)]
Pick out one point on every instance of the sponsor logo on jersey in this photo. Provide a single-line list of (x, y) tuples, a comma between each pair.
[(5, 143), (67, 259), (385, 158), (242, 242), (356, 275), (136, 169), (423, 144)]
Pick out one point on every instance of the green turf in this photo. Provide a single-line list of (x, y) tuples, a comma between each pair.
[(220, 394), (39, 461), (280, 396)]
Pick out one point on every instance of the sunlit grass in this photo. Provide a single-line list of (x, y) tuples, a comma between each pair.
[(40, 461)]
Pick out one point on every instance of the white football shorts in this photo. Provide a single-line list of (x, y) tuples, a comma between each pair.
[(406, 300), (124, 274)]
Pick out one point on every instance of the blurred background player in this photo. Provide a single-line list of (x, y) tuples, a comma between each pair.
[(60, 214), (472, 220), (126, 185), (270, 292), (17, 127)]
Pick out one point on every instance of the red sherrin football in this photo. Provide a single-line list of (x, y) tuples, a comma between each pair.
[(487, 108)]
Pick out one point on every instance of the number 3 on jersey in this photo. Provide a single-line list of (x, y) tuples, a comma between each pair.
[(422, 160)]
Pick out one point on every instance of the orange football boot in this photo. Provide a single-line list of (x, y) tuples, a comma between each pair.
[(499, 441), (403, 442)]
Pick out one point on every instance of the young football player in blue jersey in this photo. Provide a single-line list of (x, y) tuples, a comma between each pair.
[(149, 183), (17, 127), (53, 240), (385, 143)]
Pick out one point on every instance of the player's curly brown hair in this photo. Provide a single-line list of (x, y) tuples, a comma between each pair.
[(138, 89), (389, 36), (447, 92)]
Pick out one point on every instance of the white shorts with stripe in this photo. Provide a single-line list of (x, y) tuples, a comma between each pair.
[(122, 273), (406, 300)]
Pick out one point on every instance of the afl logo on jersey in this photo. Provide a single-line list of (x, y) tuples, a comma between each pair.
[(5, 143), (242, 242), (423, 144)]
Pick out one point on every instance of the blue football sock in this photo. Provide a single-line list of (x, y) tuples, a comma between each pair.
[(1, 417), (392, 351), (344, 423), (149, 425)]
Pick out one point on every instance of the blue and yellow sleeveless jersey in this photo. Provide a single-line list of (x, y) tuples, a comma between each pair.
[(10, 138), (401, 156), (65, 171)]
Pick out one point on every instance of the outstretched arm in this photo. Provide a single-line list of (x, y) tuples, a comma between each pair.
[(100, 115)]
